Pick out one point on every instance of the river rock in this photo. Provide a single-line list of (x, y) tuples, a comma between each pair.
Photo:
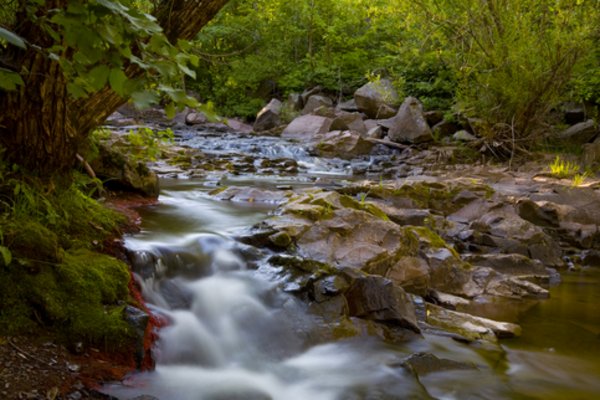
[(447, 300), (295, 102), (337, 230), (469, 326), (376, 132), (195, 118), (433, 117), (503, 229), (309, 92), (494, 283), (444, 128), (316, 101), (343, 144), (427, 363), (579, 134), (409, 125), (349, 121), (307, 128), (412, 274), (349, 106), (464, 136), (376, 298), (509, 264), (123, 173), (540, 213), (268, 117), (249, 194), (377, 99), (239, 126)]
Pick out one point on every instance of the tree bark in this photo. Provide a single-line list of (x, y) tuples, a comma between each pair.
[(41, 128)]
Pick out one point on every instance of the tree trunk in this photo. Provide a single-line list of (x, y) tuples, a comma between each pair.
[(41, 128)]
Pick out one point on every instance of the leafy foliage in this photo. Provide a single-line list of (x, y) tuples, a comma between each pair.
[(257, 49), (514, 59), (560, 168), (97, 42), (147, 143)]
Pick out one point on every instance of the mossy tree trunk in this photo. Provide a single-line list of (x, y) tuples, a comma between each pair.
[(41, 126)]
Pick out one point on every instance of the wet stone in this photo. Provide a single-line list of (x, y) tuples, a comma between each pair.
[(426, 363)]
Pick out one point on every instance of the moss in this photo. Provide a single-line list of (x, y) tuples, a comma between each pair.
[(218, 190), (29, 240), (55, 282), (432, 239), (82, 298)]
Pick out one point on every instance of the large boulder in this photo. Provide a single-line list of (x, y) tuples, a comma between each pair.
[(349, 121), (307, 128), (315, 101), (345, 233), (268, 117), (497, 225), (579, 134), (409, 125), (343, 144), (377, 99)]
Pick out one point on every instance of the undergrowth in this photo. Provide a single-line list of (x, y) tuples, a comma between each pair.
[(53, 275), (560, 168)]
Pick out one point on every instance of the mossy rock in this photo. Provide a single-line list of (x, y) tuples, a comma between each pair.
[(30, 241), (81, 299)]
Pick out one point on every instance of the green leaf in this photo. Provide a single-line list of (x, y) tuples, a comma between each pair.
[(6, 255), (113, 6), (9, 80), (12, 38), (98, 76), (144, 99), (117, 79), (170, 110), (194, 60), (75, 90)]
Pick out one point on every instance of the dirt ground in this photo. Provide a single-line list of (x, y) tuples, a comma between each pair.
[(39, 368)]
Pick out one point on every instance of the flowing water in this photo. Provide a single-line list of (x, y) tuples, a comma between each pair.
[(234, 334)]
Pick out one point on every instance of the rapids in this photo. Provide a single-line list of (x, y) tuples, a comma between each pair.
[(233, 333)]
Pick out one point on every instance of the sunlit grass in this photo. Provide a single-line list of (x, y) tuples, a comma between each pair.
[(560, 168)]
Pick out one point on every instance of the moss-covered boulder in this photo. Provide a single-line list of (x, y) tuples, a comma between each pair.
[(123, 173), (345, 233), (81, 298)]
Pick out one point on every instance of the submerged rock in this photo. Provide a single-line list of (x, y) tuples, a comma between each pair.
[(427, 363)]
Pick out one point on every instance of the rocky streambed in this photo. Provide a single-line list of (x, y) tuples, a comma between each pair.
[(286, 275)]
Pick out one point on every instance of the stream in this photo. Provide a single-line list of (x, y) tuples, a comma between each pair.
[(234, 333)]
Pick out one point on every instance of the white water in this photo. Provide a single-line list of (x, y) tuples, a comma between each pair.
[(233, 334)]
